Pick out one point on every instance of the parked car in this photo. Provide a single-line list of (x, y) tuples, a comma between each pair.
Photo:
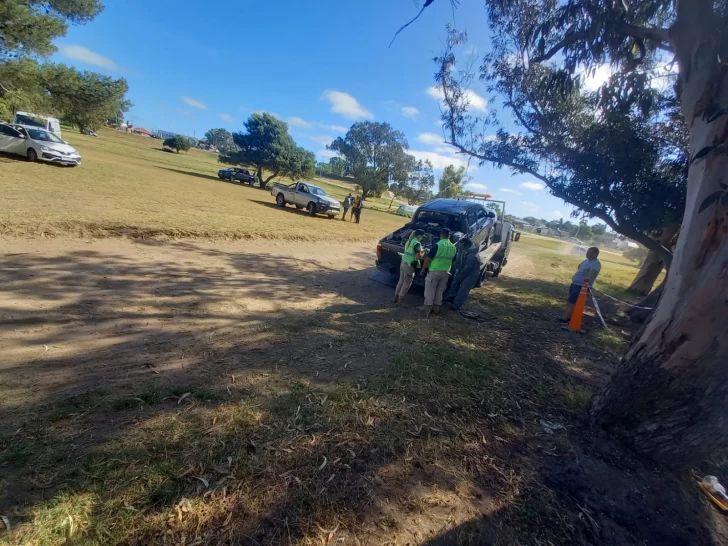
[(406, 210), (306, 196), (237, 175), (89, 132), (463, 218), (37, 145)]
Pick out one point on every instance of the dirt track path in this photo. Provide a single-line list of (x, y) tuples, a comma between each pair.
[(78, 315)]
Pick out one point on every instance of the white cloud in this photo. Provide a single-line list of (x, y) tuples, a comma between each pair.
[(410, 112), (491, 138), (346, 105), (338, 128), (533, 186), (475, 101), (295, 121), (189, 101), (327, 153), (86, 56), (438, 161), (323, 140), (228, 118), (509, 190), (476, 187), (431, 139), (557, 214)]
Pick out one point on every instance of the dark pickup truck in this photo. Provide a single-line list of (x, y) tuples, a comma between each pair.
[(463, 218), (238, 175)]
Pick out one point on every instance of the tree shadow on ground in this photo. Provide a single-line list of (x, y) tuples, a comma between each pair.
[(238, 398), (196, 174)]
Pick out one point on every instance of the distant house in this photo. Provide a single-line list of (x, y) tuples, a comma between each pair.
[(141, 132)]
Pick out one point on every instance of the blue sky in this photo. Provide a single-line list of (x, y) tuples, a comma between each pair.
[(320, 65)]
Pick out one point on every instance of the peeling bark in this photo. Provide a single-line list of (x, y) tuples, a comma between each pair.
[(668, 397)]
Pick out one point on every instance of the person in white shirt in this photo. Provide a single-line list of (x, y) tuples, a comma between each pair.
[(588, 270)]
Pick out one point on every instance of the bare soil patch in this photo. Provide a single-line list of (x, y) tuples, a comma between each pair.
[(259, 393)]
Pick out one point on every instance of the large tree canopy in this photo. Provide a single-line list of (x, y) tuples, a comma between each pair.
[(669, 395), (624, 163), (28, 27), (221, 139), (267, 145), (375, 155), (86, 99)]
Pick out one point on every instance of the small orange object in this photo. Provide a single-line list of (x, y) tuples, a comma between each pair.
[(578, 314)]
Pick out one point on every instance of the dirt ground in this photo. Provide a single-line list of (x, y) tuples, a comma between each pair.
[(80, 315), (453, 448)]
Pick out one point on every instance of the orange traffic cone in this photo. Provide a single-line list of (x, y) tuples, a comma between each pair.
[(576, 317)]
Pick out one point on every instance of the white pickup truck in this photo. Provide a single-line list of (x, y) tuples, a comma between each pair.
[(306, 196)]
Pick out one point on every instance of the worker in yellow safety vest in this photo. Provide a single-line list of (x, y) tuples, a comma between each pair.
[(438, 263), (413, 253)]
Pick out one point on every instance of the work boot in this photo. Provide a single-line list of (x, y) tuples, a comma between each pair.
[(426, 309), (436, 309)]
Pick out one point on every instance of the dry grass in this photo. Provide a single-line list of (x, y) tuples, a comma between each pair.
[(128, 186), (441, 436)]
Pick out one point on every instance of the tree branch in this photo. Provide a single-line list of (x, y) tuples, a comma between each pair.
[(657, 35), (566, 41)]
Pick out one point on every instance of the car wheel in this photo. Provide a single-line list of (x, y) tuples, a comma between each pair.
[(312, 209), (331, 216), (280, 200), (32, 155)]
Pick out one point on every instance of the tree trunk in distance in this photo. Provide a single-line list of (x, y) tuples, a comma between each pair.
[(653, 264), (649, 302), (668, 397)]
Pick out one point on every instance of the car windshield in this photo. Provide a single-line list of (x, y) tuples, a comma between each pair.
[(317, 191), (450, 221), (43, 136)]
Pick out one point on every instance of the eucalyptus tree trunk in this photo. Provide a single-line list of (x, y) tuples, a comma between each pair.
[(668, 397), (653, 264)]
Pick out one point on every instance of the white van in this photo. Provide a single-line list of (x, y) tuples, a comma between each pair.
[(42, 122)]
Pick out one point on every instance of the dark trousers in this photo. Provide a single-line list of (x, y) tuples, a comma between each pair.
[(461, 287)]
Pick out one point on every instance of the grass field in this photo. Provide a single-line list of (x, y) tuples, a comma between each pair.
[(128, 186), (214, 392)]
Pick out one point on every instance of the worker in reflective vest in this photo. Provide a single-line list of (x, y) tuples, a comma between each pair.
[(413, 253), (437, 268)]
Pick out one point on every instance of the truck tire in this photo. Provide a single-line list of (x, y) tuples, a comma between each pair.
[(497, 272), (311, 209), (280, 200)]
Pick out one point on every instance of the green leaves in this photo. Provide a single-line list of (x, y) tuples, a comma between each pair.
[(28, 27), (177, 143), (267, 145)]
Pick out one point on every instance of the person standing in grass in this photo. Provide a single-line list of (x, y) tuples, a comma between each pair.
[(413, 253), (347, 205), (356, 208), (588, 270), (438, 262)]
